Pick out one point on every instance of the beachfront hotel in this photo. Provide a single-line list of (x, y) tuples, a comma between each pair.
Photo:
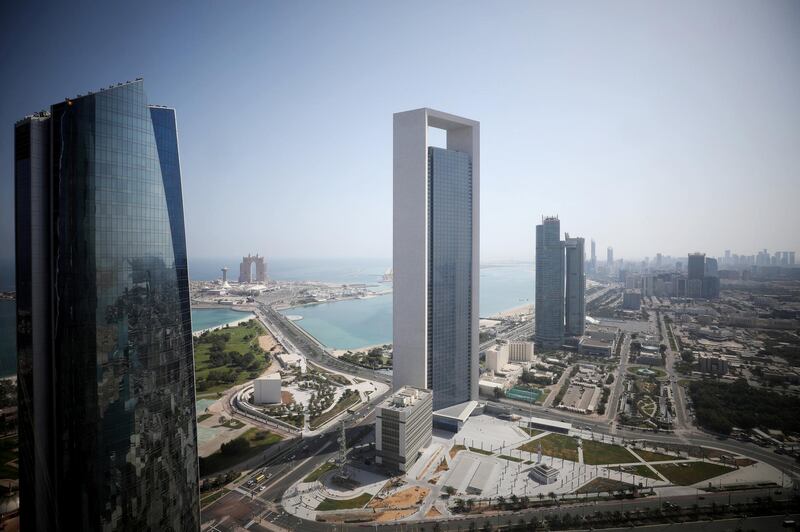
[(436, 257), (107, 437)]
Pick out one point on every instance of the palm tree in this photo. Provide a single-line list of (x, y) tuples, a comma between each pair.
[(501, 502)]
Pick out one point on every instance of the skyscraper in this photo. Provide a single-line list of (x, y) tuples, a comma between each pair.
[(105, 364), (549, 310), (610, 259), (575, 290), (594, 258), (436, 254), (696, 265)]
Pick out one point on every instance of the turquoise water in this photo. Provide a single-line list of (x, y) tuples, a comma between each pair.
[(361, 322), (206, 318), (348, 324)]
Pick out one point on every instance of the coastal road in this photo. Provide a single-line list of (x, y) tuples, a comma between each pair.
[(619, 383)]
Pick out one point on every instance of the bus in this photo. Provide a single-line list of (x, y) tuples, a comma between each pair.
[(260, 477)]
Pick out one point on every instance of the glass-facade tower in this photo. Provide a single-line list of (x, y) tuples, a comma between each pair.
[(449, 275), (106, 370), (549, 289), (435, 256), (575, 287)]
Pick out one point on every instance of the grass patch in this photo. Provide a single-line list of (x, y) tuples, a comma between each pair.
[(246, 446), (555, 445), (638, 470), (650, 456), (688, 473), (455, 449), (658, 372), (596, 453), (480, 451), (532, 432), (208, 499), (346, 504), (337, 409), (603, 484), (318, 472), (231, 423), (242, 339), (510, 458), (203, 417)]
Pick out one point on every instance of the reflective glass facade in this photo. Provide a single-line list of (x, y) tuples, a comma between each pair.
[(549, 287), (449, 276), (120, 452), (575, 288)]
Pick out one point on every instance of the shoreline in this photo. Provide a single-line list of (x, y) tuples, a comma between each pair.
[(229, 324)]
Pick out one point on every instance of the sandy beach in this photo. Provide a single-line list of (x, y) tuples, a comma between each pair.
[(339, 352), (230, 324), (516, 312)]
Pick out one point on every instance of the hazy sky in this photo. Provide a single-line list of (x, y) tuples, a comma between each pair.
[(669, 126)]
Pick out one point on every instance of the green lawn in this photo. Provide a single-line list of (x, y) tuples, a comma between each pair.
[(8, 453), (555, 445), (511, 458), (650, 456), (208, 499), (480, 451), (337, 409), (689, 473), (346, 504), (531, 432), (603, 484), (258, 441), (596, 453), (203, 417), (253, 329), (318, 472), (638, 470)]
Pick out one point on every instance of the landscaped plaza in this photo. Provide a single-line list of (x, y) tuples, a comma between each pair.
[(491, 461)]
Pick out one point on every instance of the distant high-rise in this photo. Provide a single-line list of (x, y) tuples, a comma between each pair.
[(549, 310), (696, 265), (246, 269), (711, 267), (104, 336), (610, 258), (575, 289), (436, 256), (594, 258)]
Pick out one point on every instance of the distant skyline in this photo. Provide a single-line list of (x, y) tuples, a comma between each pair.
[(650, 127)]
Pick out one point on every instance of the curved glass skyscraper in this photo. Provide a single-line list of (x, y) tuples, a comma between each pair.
[(106, 370)]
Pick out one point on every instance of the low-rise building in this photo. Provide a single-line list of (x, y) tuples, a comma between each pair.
[(520, 351), (497, 358), (403, 426), (632, 300), (267, 389), (544, 474), (713, 364)]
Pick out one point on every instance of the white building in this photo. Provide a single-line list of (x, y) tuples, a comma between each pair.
[(520, 351), (267, 389), (497, 358), (403, 426), (436, 199)]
